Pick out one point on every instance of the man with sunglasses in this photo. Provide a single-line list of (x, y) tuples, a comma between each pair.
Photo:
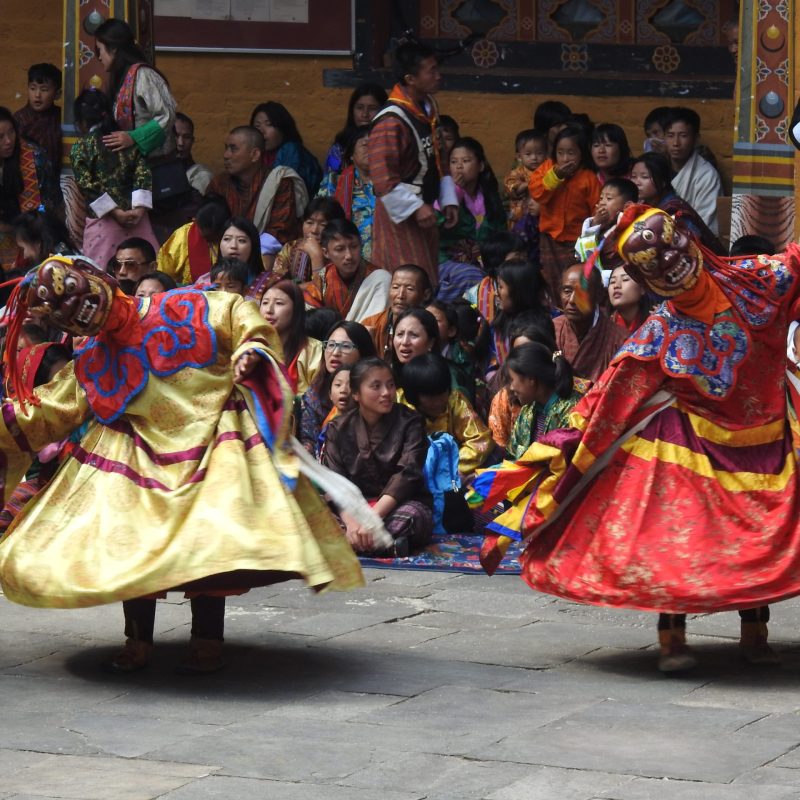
[(134, 257)]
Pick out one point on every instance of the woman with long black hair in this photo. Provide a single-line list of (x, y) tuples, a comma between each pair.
[(144, 107), (284, 144)]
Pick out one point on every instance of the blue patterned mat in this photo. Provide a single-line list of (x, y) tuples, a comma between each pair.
[(449, 552)]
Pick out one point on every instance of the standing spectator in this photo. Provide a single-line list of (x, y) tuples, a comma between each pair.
[(407, 166), (144, 107), (117, 186)]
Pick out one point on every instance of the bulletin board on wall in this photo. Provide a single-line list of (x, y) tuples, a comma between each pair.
[(311, 27)]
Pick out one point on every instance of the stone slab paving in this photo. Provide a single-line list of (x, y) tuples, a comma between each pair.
[(422, 686)]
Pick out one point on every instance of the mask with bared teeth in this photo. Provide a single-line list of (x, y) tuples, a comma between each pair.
[(660, 254), (72, 294)]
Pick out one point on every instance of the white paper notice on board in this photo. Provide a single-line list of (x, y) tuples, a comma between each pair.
[(211, 9), (250, 10), (289, 11), (175, 8)]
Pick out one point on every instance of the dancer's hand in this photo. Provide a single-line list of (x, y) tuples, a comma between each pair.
[(245, 364)]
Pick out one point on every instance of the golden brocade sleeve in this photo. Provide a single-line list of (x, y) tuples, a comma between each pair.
[(173, 257), (248, 329), (308, 365), (23, 432)]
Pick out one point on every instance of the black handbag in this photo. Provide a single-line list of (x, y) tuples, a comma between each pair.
[(170, 184), (457, 516)]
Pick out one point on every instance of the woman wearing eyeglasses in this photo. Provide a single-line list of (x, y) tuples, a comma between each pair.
[(346, 343)]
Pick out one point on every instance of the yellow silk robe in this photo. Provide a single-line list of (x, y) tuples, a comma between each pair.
[(173, 257), (179, 488), (309, 362)]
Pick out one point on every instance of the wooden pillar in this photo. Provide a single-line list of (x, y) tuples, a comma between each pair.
[(794, 98), (764, 160)]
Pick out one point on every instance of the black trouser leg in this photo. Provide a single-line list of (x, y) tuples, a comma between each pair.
[(208, 617), (140, 618), (667, 622), (760, 614)]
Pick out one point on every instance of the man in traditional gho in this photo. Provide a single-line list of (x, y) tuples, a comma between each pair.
[(406, 156), (273, 199), (675, 489), (180, 480)]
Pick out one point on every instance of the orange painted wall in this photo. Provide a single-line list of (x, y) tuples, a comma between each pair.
[(219, 91), (30, 32)]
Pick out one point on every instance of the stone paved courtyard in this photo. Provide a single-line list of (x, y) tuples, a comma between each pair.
[(422, 685)]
